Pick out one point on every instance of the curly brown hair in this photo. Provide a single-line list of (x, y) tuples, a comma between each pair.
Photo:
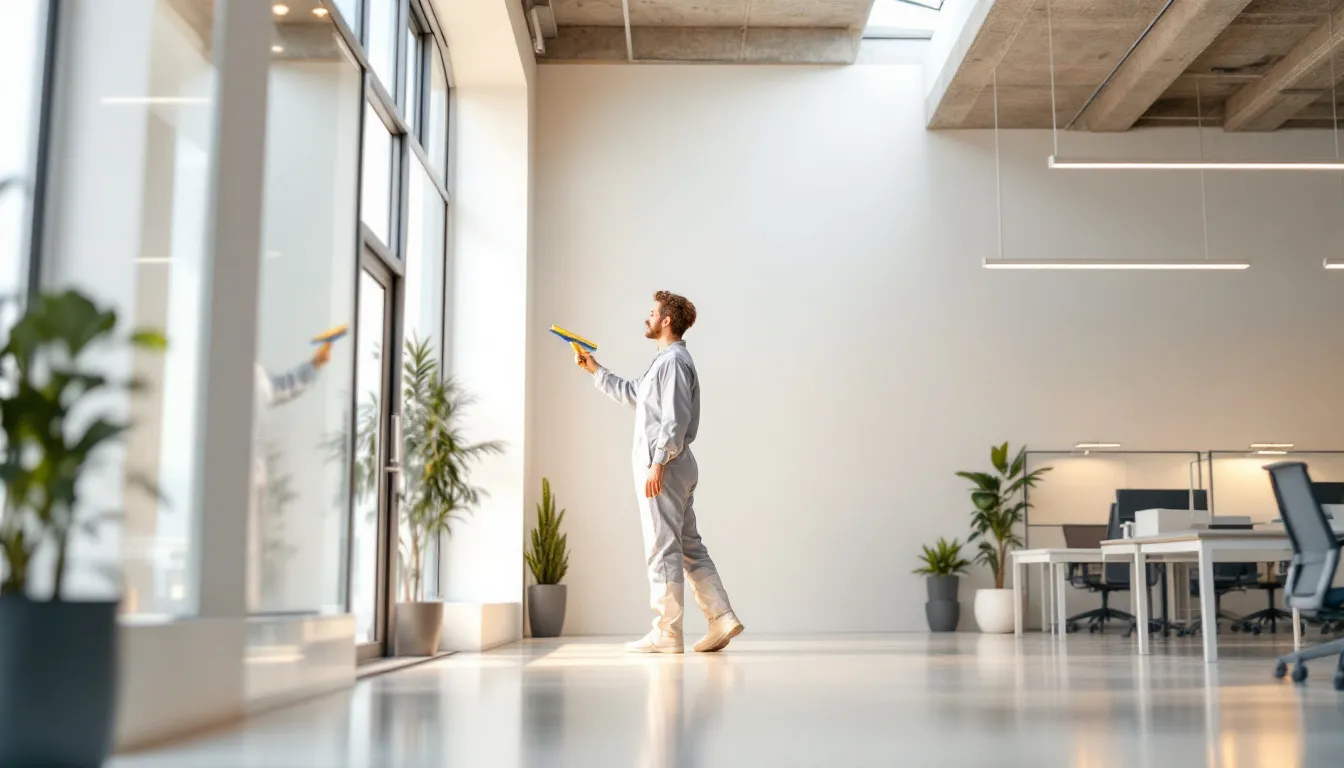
[(678, 308)]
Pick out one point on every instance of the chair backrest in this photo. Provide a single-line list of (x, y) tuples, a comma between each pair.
[(1084, 536), (1315, 547)]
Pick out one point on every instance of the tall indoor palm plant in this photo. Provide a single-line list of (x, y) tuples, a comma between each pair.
[(1000, 507), (436, 467)]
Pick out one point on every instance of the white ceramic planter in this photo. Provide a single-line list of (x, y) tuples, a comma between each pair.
[(994, 610)]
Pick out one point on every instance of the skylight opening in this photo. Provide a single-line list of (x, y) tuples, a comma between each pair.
[(902, 19)]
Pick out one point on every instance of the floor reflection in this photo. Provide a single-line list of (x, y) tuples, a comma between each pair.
[(840, 701)]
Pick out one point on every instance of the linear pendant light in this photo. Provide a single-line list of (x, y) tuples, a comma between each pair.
[(1191, 165), (1333, 264), (1094, 264), (1115, 264)]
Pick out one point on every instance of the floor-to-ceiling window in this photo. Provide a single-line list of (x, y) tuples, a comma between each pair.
[(131, 165), (394, 259), (299, 520), (23, 47)]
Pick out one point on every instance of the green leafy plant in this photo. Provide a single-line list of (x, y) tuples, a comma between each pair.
[(944, 559), (1000, 507), (54, 425), (549, 558), (437, 460)]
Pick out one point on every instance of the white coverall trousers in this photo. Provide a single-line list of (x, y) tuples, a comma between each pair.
[(673, 546)]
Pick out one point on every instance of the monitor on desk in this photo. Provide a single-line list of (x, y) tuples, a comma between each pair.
[(1328, 493), (1129, 501)]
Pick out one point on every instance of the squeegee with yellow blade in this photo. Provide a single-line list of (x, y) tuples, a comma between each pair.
[(331, 334), (574, 340)]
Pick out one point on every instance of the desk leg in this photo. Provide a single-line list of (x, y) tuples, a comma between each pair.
[(1047, 592), (1208, 611), (1297, 630), (1018, 570), (1061, 615), (1139, 596)]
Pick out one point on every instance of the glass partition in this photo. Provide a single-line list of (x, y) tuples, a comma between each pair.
[(1240, 484), (1080, 486)]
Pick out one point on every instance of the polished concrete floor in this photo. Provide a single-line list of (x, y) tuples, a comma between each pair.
[(890, 700)]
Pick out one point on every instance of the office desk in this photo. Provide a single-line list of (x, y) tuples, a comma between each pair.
[(1203, 547), (1049, 560)]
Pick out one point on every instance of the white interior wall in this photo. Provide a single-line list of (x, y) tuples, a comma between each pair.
[(854, 354), (490, 252)]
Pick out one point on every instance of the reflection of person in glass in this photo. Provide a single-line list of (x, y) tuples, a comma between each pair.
[(270, 391)]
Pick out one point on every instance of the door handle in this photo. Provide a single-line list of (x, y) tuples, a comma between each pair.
[(394, 461)]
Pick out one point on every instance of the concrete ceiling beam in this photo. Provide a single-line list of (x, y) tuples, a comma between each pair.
[(974, 57), (1297, 80), (1171, 45), (753, 45)]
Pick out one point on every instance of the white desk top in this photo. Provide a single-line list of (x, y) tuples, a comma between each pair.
[(1204, 534), (1058, 555)]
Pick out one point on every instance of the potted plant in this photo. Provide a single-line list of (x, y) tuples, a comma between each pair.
[(999, 510), (436, 465), (942, 565), (57, 656), (548, 561)]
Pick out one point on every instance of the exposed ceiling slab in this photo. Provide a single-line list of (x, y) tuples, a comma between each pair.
[(1178, 35), (1299, 79), (744, 31), (1251, 65)]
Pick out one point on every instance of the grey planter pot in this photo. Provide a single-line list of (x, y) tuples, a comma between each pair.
[(57, 682), (943, 587), (546, 609), (419, 629), (943, 615)]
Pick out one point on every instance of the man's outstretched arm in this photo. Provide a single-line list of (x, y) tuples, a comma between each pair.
[(295, 382), (618, 389)]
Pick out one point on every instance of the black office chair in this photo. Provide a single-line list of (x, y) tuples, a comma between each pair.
[(1227, 577), (1312, 569), (1104, 579), (1255, 623)]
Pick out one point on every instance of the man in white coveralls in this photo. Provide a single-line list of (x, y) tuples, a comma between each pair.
[(666, 400)]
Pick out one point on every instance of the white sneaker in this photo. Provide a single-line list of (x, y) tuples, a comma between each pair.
[(657, 642), (721, 632)]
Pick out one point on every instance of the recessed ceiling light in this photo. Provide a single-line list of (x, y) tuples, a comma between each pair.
[(277, 49), (280, 9), (320, 12)]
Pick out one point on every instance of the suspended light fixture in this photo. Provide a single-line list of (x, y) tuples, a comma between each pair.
[(1100, 264), (1115, 264), (1190, 165)]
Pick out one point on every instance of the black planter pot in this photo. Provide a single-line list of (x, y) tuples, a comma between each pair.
[(943, 611), (943, 587), (943, 615), (57, 682), (546, 609)]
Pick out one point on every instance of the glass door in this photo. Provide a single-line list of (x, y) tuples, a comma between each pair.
[(377, 459)]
